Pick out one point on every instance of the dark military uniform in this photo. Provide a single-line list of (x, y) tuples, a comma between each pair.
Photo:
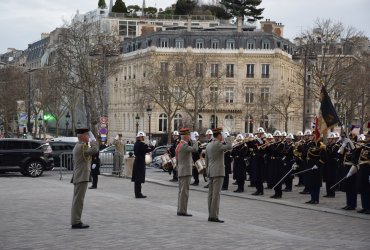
[(364, 179), (196, 156), (95, 170), (138, 171), (228, 159), (172, 152), (288, 161), (240, 168), (276, 163), (258, 166), (316, 156), (305, 177), (330, 170)]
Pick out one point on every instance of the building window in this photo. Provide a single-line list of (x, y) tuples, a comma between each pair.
[(265, 73), (230, 44), (179, 43), (229, 123), (251, 44), (213, 122), (199, 69), (214, 70), (264, 122), (164, 68), (214, 94), (265, 44), (229, 94), (177, 122), (230, 70), (249, 95), (162, 123), (179, 69), (215, 44), (265, 95), (177, 92), (162, 94), (200, 122), (250, 70), (199, 44), (163, 43), (248, 125)]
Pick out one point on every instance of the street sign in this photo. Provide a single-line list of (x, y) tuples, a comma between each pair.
[(103, 131), (103, 125)]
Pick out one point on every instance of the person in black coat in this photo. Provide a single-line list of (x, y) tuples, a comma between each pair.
[(306, 145), (172, 152), (277, 164), (364, 176), (240, 168), (257, 161), (138, 171), (95, 170), (228, 159), (330, 170), (288, 161), (316, 157)]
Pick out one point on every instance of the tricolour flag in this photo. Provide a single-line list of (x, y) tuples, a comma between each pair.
[(328, 116)]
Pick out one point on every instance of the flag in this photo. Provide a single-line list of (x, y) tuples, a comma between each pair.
[(328, 116), (316, 131)]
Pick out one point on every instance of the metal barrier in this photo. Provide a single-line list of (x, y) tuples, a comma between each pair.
[(106, 165)]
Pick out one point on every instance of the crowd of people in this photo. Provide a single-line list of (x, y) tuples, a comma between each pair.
[(269, 160)]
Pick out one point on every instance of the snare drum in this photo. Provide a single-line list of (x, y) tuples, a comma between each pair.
[(200, 165), (166, 162), (173, 161)]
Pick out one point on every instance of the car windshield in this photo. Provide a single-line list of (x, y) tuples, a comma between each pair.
[(129, 147)]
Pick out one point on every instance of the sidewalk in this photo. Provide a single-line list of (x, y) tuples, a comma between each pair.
[(291, 199)]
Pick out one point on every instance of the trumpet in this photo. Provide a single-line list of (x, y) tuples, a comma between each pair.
[(361, 145)]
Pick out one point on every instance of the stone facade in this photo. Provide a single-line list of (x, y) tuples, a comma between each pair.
[(254, 79)]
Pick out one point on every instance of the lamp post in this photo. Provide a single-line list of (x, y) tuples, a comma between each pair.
[(137, 118), (40, 126), (67, 122), (149, 111)]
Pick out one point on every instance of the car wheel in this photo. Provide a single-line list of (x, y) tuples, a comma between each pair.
[(34, 169)]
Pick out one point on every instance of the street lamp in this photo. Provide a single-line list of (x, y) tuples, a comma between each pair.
[(149, 111), (40, 126), (137, 118), (67, 122)]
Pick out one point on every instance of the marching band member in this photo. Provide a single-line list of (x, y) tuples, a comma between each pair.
[(138, 170), (277, 150), (196, 156), (228, 159), (209, 138), (298, 148), (364, 176), (257, 162), (184, 161), (330, 173), (172, 152), (288, 161), (240, 168), (216, 171), (306, 145)]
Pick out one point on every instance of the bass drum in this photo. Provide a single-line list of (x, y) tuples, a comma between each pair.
[(200, 165), (148, 159), (173, 161), (166, 162)]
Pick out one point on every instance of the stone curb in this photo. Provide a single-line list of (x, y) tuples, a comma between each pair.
[(262, 199)]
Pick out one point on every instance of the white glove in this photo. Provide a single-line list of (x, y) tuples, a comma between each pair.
[(224, 135), (93, 166), (295, 166), (117, 137), (314, 167), (91, 136), (349, 175), (345, 142), (192, 136)]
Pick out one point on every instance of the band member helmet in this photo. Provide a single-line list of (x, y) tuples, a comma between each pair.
[(308, 132), (227, 133), (290, 136), (140, 134), (260, 130), (332, 135), (196, 133), (277, 133), (175, 132), (209, 132), (283, 134), (361, 137), (239, 137)]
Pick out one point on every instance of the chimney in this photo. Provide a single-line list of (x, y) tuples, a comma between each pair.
[(189, 23), (239, 23)]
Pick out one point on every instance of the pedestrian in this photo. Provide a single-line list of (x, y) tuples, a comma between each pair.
[(118, 153), (138, 171), (184, 161), (82, 154), (216, 171)]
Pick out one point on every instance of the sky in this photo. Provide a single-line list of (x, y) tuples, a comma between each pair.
[(23, 21)]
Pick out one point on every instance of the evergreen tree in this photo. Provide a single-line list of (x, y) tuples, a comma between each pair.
[(102, 4), (241, 8), (185, 7), (119, 7)]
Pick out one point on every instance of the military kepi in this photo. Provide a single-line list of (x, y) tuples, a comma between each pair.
[(81, 131), (185, 131), (216, 131)]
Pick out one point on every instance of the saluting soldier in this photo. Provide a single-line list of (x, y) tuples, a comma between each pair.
[(82, 153), (216, 171), (138, 171), (184, 161)]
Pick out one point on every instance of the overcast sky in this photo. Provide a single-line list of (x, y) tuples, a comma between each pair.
[(22, 21)]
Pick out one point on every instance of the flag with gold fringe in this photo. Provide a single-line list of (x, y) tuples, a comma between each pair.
[(328, 116)]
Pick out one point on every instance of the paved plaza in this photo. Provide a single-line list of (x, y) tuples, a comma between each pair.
[(35, 214)]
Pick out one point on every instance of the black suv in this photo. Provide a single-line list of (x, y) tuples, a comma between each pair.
[(62, 153), (30, 157)]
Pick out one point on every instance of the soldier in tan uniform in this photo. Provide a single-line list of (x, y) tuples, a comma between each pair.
[(81, 161), (118, 153), (184, 161), (216, 171)]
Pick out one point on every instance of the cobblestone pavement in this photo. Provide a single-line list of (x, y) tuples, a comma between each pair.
[(35, 214)]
